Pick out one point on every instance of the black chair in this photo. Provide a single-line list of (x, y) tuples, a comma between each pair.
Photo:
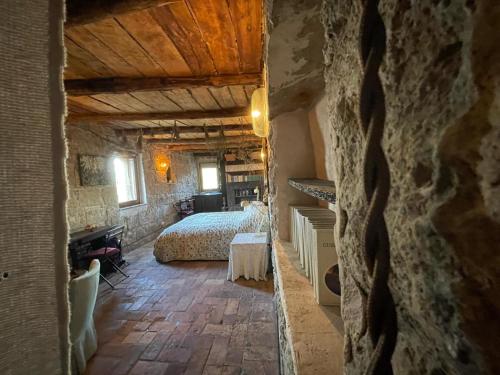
[(112, 249), (184, 208)]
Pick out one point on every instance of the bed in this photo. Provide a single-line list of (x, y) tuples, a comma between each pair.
[(206, 236)]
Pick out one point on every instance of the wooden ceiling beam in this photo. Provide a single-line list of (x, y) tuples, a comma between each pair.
[(212, 147), (118, 85), (183, 129), (212, 140), (82, 12), (74, 118)]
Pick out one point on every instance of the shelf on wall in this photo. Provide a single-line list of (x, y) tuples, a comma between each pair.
[(320, 189)]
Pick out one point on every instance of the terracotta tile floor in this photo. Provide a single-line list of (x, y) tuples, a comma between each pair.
[(184, 318)]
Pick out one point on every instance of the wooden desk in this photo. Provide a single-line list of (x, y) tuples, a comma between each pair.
[(80, 242)]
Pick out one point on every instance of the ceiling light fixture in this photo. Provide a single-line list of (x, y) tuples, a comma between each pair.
[(260, 109)]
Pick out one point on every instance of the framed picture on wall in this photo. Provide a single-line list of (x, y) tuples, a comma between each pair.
[(93, 170)]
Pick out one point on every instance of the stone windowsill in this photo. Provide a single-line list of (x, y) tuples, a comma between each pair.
[(314, 333), (132, 207)]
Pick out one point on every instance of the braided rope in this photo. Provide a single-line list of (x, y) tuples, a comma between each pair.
[(380, 312)]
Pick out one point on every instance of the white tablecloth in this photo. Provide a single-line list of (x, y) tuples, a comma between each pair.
[(248, 256)]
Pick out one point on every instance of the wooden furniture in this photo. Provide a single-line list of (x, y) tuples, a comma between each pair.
[(207, 236), (208, 202), (248, 256), (81, 242), (111, 249), (184, 207), (241, 191)]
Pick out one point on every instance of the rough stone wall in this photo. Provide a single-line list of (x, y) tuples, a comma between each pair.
[(89, 204), (294, 59), (286, 359), (441, 78), (144, 222), (99, 204), (289, 156), (295, 69)]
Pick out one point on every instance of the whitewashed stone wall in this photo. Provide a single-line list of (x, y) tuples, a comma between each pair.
[(99, 204)]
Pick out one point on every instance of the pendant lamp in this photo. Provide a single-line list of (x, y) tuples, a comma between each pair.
[(260, 112)]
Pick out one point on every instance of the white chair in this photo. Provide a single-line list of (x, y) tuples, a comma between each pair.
[(82, 296)]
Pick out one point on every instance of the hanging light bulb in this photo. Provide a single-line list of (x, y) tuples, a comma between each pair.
[(256, 113), (260, 120)]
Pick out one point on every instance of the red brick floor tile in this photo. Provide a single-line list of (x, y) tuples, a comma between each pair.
[(234, 356), (102, 365), (271, 368), (261, 334), (175, 369), (129, 360), (147, 338), (155, 347), (218, 351), (198, 341), (149, 368), (182, 328), (184, 318), (232, 306), (252, 368), (217, 314), (259, 353), (218, 330), (133, 337), (239, 335), (141, 326), (178, 354), (162, 325), (231, 370), (212, 370)]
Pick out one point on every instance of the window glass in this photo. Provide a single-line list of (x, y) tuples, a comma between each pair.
[(209, 177), (126, 180)]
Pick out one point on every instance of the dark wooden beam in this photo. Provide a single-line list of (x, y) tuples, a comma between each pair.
[(183, 129), (145, 116), (212, 147), (205, 141), (82, 12), (117, 85)]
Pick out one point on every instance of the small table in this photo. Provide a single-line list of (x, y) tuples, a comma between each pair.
[(248, 256)]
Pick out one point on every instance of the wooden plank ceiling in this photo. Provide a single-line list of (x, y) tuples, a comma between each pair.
[(144, 62)]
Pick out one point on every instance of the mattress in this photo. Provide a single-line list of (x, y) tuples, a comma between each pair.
[(207, 236)]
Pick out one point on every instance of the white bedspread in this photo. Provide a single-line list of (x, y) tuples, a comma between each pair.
[(207, 236)]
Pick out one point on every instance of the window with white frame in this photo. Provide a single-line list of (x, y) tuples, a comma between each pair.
[(127, 180)]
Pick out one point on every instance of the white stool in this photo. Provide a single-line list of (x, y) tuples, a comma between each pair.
[(248, 256)]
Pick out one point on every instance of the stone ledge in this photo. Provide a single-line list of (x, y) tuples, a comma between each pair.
[(314, 334), (320, 189)]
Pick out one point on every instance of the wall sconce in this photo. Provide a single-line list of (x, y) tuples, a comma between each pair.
[(162, 166), (260, 112)]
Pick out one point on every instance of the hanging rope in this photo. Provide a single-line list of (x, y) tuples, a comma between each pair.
[(380, 310)]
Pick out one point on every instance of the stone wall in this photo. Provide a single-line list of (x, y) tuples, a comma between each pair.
[(90, 204), (442, 78), (290, 155), (99, 204), (294, 56)]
